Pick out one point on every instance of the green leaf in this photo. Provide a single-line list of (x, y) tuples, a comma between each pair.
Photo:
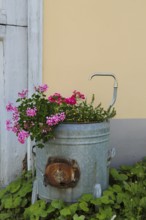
[(107, 211), (8, 202), (106, 200), (14, 186), (114, 173), (120, 197), (17, 202), (101, 216), (123, 177), (36, 210), (26, 188), (11, 203), (116, 188), (76, 217), (117, 176), (73, 208), (50, 209), (96, 201), (86, 197), (19, 100), (84, 206), (110, 194), (142, 202), (4, 216), (66, 211), (3, 192), (24, 202), (139, 171), (58, 204)]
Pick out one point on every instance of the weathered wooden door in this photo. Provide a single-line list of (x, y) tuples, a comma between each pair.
[(20, 68), (13, 77)]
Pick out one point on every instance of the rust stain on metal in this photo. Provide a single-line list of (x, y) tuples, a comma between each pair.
[(61, 173)]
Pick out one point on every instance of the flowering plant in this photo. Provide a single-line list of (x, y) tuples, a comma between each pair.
[(37, 116)]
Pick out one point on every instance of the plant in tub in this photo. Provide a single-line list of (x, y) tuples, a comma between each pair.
[(38, 115)]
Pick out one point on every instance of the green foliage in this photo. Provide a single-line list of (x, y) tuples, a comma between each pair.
[(125, 199), (85, 112), (16, 197), (38, 115), (129, 189)]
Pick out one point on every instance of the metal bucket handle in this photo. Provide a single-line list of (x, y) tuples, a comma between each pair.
[(115, 84)]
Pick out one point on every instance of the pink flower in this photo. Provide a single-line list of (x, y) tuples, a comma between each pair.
[(15, 114), (15, 128), (78, 95), (71, 100), (10, 107), (22, 135), (55, 119), (8, 125), (12, 126), (56, 98), (23, 94), (31, 112), (42, 88)]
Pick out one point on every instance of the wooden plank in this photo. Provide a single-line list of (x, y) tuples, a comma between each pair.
[(13, 12), (2, 99), (13, 79), (35, 12)]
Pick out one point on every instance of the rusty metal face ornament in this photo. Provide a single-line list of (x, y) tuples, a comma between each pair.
[(61, 173)]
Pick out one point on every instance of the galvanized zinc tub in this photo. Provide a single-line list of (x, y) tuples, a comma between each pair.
[(76, 161)]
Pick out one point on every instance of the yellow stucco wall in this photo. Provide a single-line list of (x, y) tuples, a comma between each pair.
[(84, 36)]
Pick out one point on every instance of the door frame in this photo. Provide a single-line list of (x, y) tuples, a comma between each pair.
[(35, 48), (35, 29)]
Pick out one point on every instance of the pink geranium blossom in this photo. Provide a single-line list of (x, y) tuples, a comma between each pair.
[(56, 98), (79, 95), (55, 119), (9, 125), (42, 88), (31, 112), (15, 114), (16, 128), (71, 100), (12, 126), (22, 135), (9, 107), (23, 94)]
